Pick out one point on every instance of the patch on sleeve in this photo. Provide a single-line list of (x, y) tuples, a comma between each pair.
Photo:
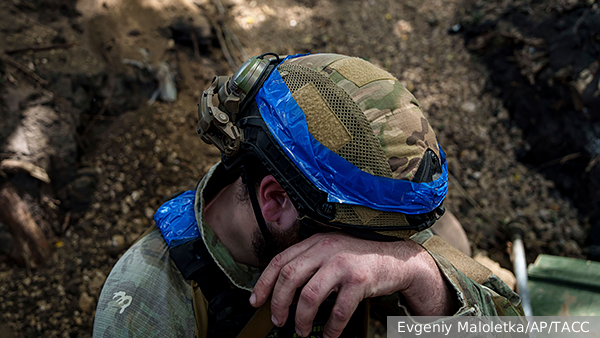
[(322, 122), (123, 300), (359, 71)]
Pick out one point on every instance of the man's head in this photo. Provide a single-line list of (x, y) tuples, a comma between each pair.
[(345, 140)]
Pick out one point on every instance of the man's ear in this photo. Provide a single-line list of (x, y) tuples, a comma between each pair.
[(276, 205)]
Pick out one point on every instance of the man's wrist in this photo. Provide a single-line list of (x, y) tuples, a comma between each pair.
[(429, 293)]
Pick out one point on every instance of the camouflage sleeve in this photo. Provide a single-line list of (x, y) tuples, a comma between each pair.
[(492, 298), (145, 295)]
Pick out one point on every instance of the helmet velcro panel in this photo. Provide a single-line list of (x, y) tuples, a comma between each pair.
[(322, 122), (364, 151)]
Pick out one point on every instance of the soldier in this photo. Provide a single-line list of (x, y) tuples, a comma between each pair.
[(317, 215)]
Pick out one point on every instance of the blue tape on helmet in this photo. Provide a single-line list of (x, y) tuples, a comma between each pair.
[(176, 219), (342, 181)]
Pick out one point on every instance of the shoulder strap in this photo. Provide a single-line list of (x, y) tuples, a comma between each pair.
[(218, 308), (195, 263), (462, 262)]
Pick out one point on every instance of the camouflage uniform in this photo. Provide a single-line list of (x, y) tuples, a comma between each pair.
[(145, 294)]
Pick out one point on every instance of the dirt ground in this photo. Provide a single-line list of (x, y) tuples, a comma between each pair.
[(120, 158)]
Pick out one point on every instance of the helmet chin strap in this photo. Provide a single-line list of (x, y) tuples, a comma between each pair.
[(262, 225)]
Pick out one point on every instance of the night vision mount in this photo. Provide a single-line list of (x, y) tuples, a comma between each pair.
[(221, 104)]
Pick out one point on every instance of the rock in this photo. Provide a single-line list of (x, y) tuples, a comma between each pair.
[(468, 107), (118, 240), (98, 281), (86, 303), (166, 83), (136, 195), (149, 212), (119, 187), (571, 248), (583, 80)]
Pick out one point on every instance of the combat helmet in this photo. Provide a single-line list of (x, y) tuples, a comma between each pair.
[(348, 143)]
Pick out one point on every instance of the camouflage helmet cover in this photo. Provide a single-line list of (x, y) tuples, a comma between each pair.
[(392, 111), (365, 116)]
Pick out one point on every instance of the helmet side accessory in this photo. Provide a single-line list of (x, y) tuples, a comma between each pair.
[(222, 102)]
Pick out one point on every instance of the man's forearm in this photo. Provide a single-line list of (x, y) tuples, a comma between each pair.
[(430, 294)]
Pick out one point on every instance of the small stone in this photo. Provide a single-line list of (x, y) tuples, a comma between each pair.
[(136, 195), (61, 290), (128, 200), (98, 281), (571, 248), (578, 233), (149, 212), (584, 79), (118, 240), (468, 107), (119, 187), (86, 302), (125, 209)]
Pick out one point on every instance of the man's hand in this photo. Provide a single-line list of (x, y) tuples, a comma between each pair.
[(356, 269)]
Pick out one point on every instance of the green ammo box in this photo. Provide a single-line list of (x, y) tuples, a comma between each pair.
[(561, 286)]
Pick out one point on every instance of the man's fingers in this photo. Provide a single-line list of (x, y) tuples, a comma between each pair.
[(265, 284), (345, 305), (313, 294), (292, 276)]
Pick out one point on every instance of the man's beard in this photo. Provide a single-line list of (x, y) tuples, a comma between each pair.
[(276, 242)]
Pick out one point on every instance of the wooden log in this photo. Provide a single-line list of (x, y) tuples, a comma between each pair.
[(16, 215), (10, 165)]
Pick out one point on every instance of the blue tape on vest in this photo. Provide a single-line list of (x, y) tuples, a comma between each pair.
[(176, 219), (342, 181)]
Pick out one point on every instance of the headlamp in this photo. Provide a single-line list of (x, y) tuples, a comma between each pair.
[(220, 105)]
